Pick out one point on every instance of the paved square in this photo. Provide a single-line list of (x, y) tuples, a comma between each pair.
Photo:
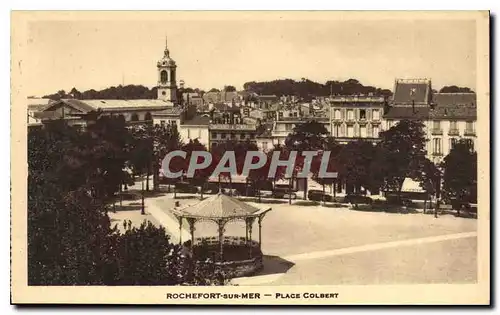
[(324, 245)]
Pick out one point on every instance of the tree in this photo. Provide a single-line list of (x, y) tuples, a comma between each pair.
[(356, 159), (401, 154), (70, 240), (214, 90), (201, 176), (460, 172), (165, 139), (229, 88), (308, 136), (68, 228), (455, 89)]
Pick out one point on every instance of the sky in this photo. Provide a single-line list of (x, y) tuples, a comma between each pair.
[(212, 53)]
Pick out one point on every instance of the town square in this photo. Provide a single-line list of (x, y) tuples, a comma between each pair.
[(318, 159)]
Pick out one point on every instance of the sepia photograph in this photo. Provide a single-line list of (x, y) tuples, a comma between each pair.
[(250, 157)]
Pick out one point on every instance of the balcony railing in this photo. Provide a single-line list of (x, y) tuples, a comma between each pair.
[(436, 131), (453, 132), (469, 132)]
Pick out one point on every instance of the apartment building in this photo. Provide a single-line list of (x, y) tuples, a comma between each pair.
[(356, 117)]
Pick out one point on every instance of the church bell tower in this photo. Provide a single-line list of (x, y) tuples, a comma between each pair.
[(167, 85)]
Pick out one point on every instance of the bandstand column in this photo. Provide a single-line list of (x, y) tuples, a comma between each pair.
[(221, 224), (249, 223), (191, 222), (180, 230), (260, 230)]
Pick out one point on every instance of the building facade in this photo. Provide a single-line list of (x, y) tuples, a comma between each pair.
[(356, 117), (447, 117)]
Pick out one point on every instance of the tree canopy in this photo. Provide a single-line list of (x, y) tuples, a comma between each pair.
[(460, 172), (72, 174), (455, 89)]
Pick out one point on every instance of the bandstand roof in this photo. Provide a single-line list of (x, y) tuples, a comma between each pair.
[(220, 206)]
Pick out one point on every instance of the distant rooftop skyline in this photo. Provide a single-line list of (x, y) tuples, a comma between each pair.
[(212, 53)]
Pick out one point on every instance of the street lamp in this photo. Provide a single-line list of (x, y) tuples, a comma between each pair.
[(142, 198)]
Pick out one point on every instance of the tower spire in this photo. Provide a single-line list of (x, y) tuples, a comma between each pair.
[(167, 53)]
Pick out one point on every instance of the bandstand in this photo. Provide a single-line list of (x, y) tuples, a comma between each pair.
[(241, 256)]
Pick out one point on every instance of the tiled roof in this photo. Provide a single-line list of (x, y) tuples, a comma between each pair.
[(412, 90), (454, 99), (454, 112), (170, 111), (36, 108), (219, 206), (119, 104), (77, 104), (214, 97), (198, 121), (224, 107), (407, 112)]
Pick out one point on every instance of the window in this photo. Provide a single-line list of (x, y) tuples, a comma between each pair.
[(223, 136), (337, 114), (336, 130), (469, 126), (375, 131), (164, 77), (214, 144), (242, 136), (436, 146), (453, 125), (362, 131), (294, 114), (135, 117), (288, 127), (350, 114), (362, 114), (280, 114), (264, 145), (148, 116), (214, 135), (376, 114), (162, 123), (173, 122), (436, 125), (350, 131), (233, 136)]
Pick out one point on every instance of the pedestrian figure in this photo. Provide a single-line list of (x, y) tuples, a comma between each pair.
[(124, 224), (129, 224)]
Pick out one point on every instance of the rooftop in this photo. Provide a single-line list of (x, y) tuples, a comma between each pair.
[(409, 91), (407, 112), (119, 104), (198, 121), (220, 206)]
